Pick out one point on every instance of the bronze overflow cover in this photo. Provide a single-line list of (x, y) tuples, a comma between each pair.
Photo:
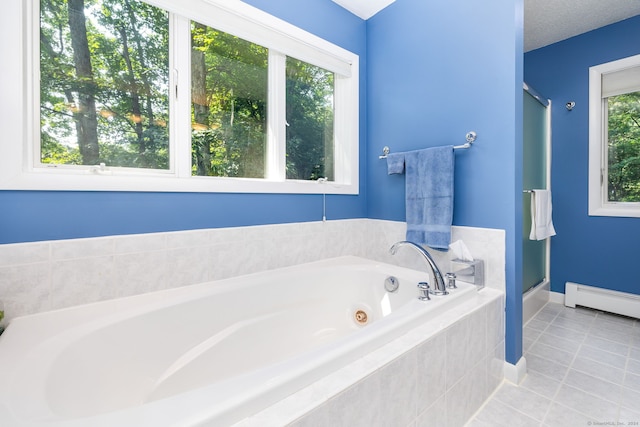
[(361, 317)]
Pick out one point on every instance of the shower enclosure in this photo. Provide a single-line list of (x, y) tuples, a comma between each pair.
[(536, 170)]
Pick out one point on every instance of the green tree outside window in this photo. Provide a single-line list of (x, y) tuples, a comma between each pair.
[(624, 148)]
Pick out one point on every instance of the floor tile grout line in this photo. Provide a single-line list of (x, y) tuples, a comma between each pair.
[(553, 400), (622, 320), (548, 325), (625, 370), (563, 381), (486, 402), (607, 351), (594, 325), (572, 320), (570, 409), (538, 337), (615, 402), (544, 357), (624, 377), (596, 377), (564, 378), (518, 410), (533, 391), (605, 363), (569, 368)]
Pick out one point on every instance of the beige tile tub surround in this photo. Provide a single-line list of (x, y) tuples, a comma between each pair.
[(42, 276), (436, 375)]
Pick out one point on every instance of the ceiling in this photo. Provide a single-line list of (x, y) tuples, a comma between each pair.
[(365, 9), (549, 21), (545, 21)]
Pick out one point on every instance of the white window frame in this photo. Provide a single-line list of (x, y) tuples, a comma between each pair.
[(598, 135), (21, 122)]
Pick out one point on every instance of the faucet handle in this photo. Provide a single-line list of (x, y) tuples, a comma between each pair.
[(451, 280), (424, 290)]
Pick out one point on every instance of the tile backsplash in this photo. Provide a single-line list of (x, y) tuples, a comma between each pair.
[(43, 276)]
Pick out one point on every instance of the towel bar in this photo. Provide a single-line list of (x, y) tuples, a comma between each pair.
[(470, 137)]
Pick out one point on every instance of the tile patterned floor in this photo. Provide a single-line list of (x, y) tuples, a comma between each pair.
[(583, 370)]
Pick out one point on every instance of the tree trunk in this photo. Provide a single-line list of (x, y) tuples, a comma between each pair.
[(199, 100), (136, 110), (85, 114), (45, 45), (137, 40)]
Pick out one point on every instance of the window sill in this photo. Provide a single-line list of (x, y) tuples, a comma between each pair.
[(159, 183), (629, 210)]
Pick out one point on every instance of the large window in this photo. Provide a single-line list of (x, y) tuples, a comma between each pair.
[(614, 138), (204, 95)]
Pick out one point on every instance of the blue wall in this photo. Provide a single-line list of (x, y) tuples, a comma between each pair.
[(437, 70), (27, 216), (597, 251)]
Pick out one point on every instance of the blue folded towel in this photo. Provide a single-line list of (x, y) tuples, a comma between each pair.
[(429, 194), (395, 163)]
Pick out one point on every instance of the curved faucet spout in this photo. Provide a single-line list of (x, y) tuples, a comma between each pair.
[(441, 288)]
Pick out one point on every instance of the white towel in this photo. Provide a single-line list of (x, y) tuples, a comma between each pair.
[(541, 223)]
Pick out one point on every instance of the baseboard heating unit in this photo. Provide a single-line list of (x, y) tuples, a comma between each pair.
[(602, 299)]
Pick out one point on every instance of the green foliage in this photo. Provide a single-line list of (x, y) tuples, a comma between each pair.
[(128, 43), (53, 152), (229, 101), (310, 121), (127, 80), (624, 148)]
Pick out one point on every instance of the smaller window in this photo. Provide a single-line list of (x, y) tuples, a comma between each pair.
[(309, 121), (614, 138), (623, 148), (229, 87)]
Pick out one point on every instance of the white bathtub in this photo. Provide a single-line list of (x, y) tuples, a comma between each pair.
[(207, 354)]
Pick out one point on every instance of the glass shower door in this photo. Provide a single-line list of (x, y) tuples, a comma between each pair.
[(534, 176)]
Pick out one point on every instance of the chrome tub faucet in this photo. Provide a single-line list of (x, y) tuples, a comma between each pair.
[(440, 287)]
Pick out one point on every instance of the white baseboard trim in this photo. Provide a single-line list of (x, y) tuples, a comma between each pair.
[(602, 299), (556, 297), (533, 300), (515, 373)]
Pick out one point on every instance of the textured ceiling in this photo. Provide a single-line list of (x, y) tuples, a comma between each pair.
[(549, 21), (545, 21)]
